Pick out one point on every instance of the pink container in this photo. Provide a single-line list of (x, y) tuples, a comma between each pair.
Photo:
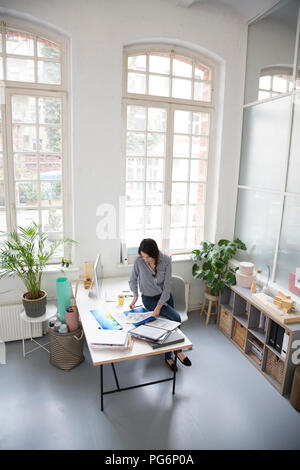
[(72, 319)]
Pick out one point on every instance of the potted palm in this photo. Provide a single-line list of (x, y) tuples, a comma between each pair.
[(215, 268), (25, 253)]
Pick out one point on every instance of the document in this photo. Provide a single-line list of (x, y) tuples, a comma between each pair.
[(137, 315), (166, 324), (108, 337)]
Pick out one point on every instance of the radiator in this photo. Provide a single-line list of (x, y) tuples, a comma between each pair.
[(11, 324)]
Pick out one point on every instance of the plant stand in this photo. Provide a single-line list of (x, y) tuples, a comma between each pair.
[(51, 311)]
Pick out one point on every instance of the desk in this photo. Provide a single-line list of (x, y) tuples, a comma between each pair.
[(139, 349)]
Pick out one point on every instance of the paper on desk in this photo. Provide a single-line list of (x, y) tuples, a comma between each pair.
[(165, 323), (107, 337), (134, 317)]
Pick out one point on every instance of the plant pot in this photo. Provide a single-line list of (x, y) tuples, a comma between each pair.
[(35, 307)]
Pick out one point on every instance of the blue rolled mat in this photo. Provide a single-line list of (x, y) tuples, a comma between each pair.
[(63, 293)]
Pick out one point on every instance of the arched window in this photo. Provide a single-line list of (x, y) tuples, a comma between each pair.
[(168, 102), (33, 130), (275, 81)]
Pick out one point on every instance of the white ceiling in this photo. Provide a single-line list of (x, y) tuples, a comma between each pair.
[(248, 9)]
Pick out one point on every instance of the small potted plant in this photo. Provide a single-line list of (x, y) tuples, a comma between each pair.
[(25, 253), (215, 268)]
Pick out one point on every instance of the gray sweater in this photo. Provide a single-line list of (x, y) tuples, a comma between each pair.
[(150, 286)]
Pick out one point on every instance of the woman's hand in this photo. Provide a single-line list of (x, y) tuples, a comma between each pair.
[(131, 306), (157, 310)]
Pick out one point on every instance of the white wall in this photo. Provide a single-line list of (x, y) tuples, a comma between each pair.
[(97, 31)]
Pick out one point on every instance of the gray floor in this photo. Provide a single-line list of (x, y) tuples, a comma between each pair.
[(221, 402)]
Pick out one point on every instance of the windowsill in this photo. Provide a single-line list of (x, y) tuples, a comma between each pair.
[(54, 268)]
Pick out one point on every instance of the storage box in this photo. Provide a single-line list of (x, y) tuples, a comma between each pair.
[(239, 334), (274, 367), (225, 322)]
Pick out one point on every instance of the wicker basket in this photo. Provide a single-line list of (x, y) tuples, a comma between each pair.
[(66, 349), (225, 322), (274, 367), (239, 334)]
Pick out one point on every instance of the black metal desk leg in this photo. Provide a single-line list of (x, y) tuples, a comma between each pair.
[(101, 386), (174, 376), (115, 375)]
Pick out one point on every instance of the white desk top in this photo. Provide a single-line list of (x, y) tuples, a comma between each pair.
[(140, 348)]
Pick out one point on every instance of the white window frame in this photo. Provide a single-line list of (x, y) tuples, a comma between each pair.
[(170, 104), (10, 88)]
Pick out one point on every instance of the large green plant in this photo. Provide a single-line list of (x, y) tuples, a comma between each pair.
[(215, 268), (25, 253)]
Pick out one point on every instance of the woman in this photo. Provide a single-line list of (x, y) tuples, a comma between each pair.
[(152, 270)]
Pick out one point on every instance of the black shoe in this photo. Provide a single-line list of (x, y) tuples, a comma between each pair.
[(172, 366), (185, 362)]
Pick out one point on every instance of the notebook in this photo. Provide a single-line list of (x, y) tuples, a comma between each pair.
[(173, 338)]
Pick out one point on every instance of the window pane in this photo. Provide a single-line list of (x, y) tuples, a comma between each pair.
[(19, 43), (50, 139), (159, 63), (176, 238), (197, 193), (182, 122), (202, 72), (196, 215), (202, 91), (154, 193), (155, 169), (26, 217), (135, 169), (135, 194), (178, 216), (51, 193), (24, 138), (49, 72), (52, 220), (153, 216), (179, 193), (157, 119), (182, 66), (293, 184), (265, 144), (289, 249), (2, 201), (181, 88), (47, 49), (181, 146), (199, 147), (200, 123), (180, 170), (257, 224), (156, 145), (1, 68), (155, 235), (133, 238), (263, 95), (49, 110), (137, 62), (23, 109), (280, 84), (194, 237), (25, 166), (135, 143), (134, 217), (271, 41), (198, 170), (20, 70), (265, 82), (136, 83), (136, 118), (26, 194), (3, 227), (159, 86), (50, 167)]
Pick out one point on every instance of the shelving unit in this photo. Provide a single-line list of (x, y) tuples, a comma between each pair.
[(247, 325)]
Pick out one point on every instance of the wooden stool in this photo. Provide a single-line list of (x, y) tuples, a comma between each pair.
[(210, 298)]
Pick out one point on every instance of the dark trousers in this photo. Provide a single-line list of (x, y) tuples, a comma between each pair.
[(167, 311)]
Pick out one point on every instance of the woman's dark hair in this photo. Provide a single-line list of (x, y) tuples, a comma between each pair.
[(149, 246)]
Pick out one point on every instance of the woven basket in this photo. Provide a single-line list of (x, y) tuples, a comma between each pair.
[(274, 367), (225, 322), (66, 349), (239, 334)]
